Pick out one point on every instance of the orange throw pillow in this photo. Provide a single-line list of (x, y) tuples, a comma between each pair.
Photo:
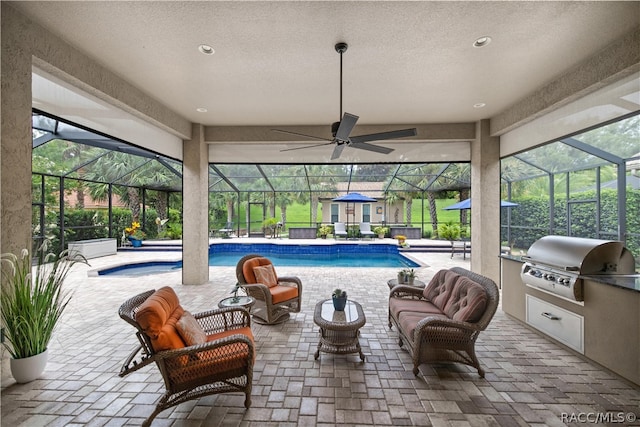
[(190, 330), (266, 275)]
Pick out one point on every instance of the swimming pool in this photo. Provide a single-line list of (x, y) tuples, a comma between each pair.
[(325, 255)]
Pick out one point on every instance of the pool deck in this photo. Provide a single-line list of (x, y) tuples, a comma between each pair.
[(530, 380)]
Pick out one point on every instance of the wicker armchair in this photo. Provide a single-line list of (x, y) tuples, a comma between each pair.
[(222, 364), (434, 335), (275, 300)]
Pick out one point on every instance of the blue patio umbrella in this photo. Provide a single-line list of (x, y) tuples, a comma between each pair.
[(354, 198), (466, 204)]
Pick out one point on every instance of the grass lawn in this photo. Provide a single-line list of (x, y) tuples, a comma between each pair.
[(299, 215)]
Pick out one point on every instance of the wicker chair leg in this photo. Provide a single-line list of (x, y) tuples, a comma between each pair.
[(416, 370), (276, 318), (481, 372), (400, 343), (474, 361), (147, 422)]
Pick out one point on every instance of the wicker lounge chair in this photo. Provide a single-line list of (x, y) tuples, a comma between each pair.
[(442, 322), (221, 363), (339, 230), (275, 296)]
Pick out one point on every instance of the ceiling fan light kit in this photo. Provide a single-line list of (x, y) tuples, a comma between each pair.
[(341, 130)]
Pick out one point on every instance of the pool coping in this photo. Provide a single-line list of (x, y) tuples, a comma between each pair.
[(95, 272)]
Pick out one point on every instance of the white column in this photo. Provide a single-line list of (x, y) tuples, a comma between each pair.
[(15, 142), (195, 202), (485, 209)]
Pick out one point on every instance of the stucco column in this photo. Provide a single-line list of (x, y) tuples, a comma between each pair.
[(16, 143), (195, 201), (485, 209)]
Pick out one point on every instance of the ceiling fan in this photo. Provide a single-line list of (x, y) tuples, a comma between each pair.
[(341, 130)]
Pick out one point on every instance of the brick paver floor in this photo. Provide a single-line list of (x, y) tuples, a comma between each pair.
[(529, 381)]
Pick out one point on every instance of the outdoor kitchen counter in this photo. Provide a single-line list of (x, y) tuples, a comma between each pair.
[(610, 320), (624, 281)]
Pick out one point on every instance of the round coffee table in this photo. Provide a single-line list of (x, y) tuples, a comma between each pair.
[(339, 330), (240, 301), (417, 283)]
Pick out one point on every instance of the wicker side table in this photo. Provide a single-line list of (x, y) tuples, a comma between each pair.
[(241, 301), (339, 330)]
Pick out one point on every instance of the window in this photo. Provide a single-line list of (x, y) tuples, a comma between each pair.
[(335, 213), (366, 212)]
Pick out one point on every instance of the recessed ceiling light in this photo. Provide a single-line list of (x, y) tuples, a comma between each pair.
[(479, 105), (482, 41), (201, 110), (206, 49)]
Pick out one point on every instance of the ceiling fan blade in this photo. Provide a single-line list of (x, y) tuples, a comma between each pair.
[(371, 147), (300, 134), (307, 146), (347, 124), (337, 151), (402, 133)]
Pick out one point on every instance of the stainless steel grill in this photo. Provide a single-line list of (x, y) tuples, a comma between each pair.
[(557, 263)]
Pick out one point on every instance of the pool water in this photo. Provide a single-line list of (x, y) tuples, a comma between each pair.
[(142, 268), (320, 260), (227, 255)]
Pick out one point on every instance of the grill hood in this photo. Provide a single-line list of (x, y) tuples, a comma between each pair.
[(582, 256), (556, 264)]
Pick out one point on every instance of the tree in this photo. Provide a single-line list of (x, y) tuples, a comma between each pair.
[(322, 185)]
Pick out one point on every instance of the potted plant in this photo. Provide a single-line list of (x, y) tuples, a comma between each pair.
[(324, 231), (449, 231), (402, 275), (339, 299), (410, 276), (32, 302), (381, 231), (135, 235), (400, 238)]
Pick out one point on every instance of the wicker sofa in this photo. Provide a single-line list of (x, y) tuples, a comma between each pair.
[(442, 322)]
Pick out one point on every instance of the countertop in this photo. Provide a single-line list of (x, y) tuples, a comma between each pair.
[(624, 281)]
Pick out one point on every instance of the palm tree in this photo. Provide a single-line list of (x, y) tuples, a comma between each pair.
[(392, 198)]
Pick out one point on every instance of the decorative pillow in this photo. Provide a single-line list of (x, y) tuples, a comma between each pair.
[(247, 268), (266, 275), (158, 317), (190, 330)]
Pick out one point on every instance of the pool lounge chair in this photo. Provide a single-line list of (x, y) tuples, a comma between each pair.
[(339, 230), (365, 230)]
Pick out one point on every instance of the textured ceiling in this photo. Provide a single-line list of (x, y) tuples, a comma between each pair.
[(275, 63)]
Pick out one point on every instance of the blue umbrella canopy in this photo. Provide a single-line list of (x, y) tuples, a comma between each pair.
[(354, 198), (466, 204)]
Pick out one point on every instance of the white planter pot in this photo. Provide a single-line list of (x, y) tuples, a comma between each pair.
[(28, 369)]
